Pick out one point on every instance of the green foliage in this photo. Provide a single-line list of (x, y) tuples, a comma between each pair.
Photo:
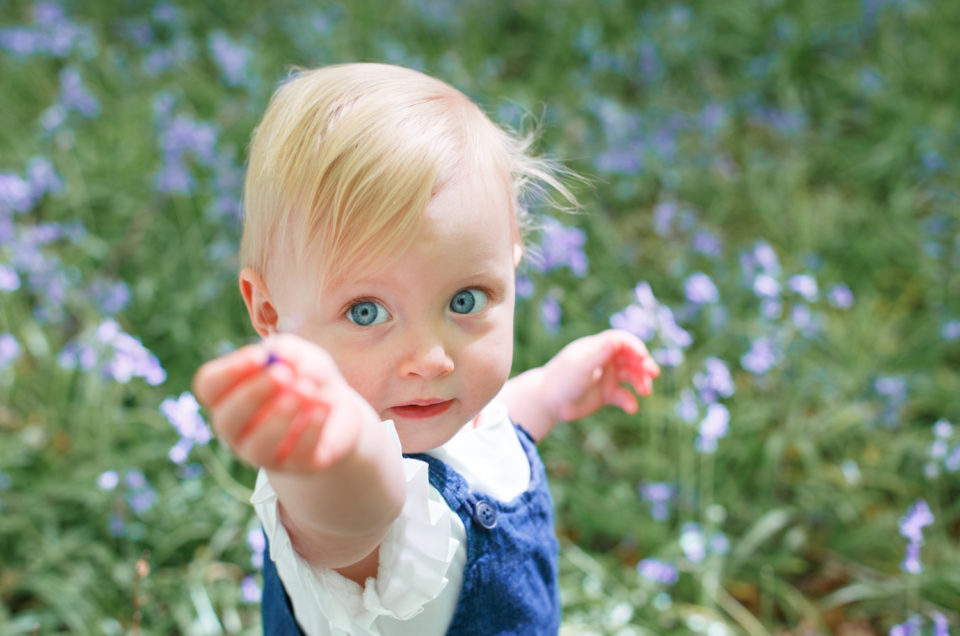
[(826, 131)]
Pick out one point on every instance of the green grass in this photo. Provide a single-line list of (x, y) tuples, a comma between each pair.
[(828, 130)]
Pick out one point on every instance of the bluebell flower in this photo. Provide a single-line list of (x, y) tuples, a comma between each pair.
[(9, 350), (75, 354), (108, 480), (840, 296), (524, 286), (940, 625), (771, 308), (116, 526), (185, 135), (687, 408), (15, 195), (714, 426), (805, 285), (140, 495), (663, 215), (657, 571), (258, 547), (911, 525), (766, 286), (804, 320), (714, 381), (766, 258), (950, 330), (718, 543), (9, 280), (659, 495), (693, 542), (130, 358), (174, 178), (230, 57), (699, 289), (250, 590), (952, 461), (761, 357), (705, 243), (42, 178), (75, 96), (637, 320), (184, 414), (550, 313), (907, 628), (560, 246), (111, 296)]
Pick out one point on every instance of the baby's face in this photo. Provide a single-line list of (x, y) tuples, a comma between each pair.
[(426, 336)]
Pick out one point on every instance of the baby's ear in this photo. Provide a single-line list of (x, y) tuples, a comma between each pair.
[(517, 254), (263, 315)]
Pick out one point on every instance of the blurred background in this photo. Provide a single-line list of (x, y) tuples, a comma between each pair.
[(770, 200)]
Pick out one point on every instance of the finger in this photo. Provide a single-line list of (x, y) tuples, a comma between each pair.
[(310, 417), (233, 413), (624, 399), (260, 442), (641, 381), (304, 454), (219, 376)]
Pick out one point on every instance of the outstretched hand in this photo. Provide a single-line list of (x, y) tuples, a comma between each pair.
[(592, 372), (283, 405)]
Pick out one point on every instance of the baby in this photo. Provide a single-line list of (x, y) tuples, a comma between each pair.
[(399, 487)]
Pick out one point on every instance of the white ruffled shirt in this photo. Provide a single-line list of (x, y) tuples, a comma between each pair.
[(424, 553)]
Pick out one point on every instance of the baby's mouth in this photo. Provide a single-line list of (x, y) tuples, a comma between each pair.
[(422, 408)]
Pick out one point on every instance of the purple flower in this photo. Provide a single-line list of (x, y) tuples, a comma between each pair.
[(766, 258), (258, 547), (907, 628), (890, 386), (230, 58), (942, 428), (9, 350), (14, 194), (560, 246), (108, 480), (659, 495), (174, 178), (805, 285), (915, 520), (950, 330), (42, 177), (713, 426), (766, 286), (714, 382), (116, 525), (687, 409), (184, 414), (524, 287), (250, 591), (706, 243), (940, 625), (637, 320), (840, 296), (130, 358), (699, 289), (185, 135), (9, 280), (804, 319), (111, 297), (663, 215), (761, 357), (550, 313), (140, 496), (952, 462), (657, 571), (693, 542), (74, 95)]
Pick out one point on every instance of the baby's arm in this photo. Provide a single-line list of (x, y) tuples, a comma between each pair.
[(284, 406), (587, 374)]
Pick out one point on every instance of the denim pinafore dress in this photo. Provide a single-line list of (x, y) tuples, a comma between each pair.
[(510, 577)]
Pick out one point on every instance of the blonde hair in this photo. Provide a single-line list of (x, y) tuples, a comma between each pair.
[(347, 157)]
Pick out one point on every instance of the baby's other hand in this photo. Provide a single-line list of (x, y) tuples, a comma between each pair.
[(283, 405), (591, 372)]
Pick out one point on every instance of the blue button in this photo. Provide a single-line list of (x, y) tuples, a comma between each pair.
[(486, 515)]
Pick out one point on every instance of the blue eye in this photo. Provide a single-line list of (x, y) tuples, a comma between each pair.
[(468, 301), (367, 313)]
